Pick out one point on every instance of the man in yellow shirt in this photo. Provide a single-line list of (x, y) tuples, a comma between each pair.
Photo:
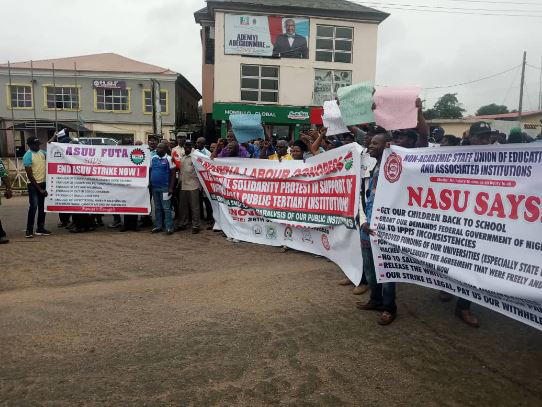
[(282, 152), (35, 165)]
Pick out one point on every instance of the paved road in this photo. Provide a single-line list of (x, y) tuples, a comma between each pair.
[(132, 319)]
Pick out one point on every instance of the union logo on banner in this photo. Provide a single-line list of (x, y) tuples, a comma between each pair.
[(393, 168)]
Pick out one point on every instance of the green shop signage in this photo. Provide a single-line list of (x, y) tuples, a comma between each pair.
[(270, 113)]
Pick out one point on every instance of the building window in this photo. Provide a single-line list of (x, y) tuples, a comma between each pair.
[(147, 101), (66, 98), (326, 83), (334, 44), (21, 96), (112, 100), (259, 83)]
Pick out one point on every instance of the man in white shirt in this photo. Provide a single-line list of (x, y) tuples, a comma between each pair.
[(189, 197)]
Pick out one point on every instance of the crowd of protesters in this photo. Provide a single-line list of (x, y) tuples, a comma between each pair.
[(180, 202)]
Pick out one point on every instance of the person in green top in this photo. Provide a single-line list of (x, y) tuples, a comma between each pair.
[(34, 161), (8, 194)]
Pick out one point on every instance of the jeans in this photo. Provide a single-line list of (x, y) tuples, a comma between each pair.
[(381, 294), (162, 207), (463, 304), (190, 203), (37, 203)]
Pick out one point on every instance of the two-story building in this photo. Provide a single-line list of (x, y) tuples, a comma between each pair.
[(102, 95), (280, 57)]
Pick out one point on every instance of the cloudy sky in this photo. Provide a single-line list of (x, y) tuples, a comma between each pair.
[(415, 47)]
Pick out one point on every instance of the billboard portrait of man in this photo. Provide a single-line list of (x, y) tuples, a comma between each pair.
[(290, 44)]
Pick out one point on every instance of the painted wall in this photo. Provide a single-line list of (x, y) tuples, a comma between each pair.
[(296, 83), (87, 110)]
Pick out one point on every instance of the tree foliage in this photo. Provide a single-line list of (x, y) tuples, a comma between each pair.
[(447, 107), (493, 108)]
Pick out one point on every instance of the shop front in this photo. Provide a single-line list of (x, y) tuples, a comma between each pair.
[(286, 121)]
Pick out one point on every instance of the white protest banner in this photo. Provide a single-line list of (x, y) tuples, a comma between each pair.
[(309, 206), (466, 220), (97, 179)]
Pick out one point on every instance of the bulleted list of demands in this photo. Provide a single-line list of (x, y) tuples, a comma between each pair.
[(97, 179), (475, 237)]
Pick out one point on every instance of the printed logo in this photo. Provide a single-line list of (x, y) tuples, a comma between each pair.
[(298, 115), (288, 233), (393, 168), (348, 161), (57, 153), (257, 229), (307, 236), (245, 20), (325, 242), (137, 156), (271, 233)]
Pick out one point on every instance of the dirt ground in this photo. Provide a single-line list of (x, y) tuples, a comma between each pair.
[(110, 318)]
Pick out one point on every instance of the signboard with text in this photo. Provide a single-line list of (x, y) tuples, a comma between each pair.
[(97, 179), (266, 36), (309, 206), (466, 220)]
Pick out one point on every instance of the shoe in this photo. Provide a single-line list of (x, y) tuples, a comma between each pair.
[(180, 228), (156, 230), (43, 232), (467, 317), (70, 226), (210, 227), (76, 230), (443, 296), (3, 240), (231, 239), (195, 231), (29, 235), (386, 318), (62, 225), (169, 232), (360, 289), (115, 225), (369, 306), (345, 281)]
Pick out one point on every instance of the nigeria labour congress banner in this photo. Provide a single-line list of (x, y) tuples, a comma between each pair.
[(466, 220), (97, 179), (309, 206)]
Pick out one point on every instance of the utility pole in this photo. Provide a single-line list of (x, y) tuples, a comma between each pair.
[(540, 87), (520, 110)]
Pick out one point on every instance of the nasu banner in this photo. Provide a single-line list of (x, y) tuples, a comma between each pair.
[(97, 179), (466, 220), (309, 206)]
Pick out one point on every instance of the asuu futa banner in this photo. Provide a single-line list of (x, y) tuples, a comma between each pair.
[(98, 179), (309, 206), (466, 220)]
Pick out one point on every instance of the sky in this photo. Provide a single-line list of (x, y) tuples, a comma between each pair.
[(414, 47)]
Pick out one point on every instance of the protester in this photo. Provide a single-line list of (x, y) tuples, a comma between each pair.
[(4, 177), (162, 186), (515, 136), (153, 142), (479, 134), (189, 198), (382, 295), (62, 136), (34, 161), (281, 153), (450, 140), (200, 145)]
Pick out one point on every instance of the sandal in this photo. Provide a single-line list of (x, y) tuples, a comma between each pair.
[(386, 318)]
